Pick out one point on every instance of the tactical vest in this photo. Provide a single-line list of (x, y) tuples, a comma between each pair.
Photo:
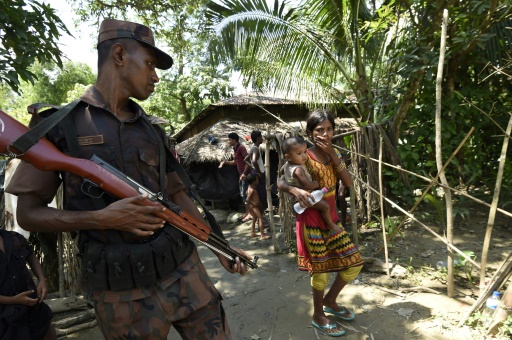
[(111, 259)]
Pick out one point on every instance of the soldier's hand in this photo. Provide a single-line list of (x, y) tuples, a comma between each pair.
[(131, 215), (237, 266)]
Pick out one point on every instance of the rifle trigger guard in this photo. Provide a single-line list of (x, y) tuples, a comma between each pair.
[(87, 189), (13, 154)]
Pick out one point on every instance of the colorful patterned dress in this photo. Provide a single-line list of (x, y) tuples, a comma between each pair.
[(328, 251)]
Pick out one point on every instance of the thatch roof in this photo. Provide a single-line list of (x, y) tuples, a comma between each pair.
[(254, 100), (211, 145), (237, 106)]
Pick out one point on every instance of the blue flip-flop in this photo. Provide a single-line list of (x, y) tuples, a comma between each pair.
[(341, 313), (330, 326)]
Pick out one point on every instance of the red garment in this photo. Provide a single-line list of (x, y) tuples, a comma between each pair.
[(240, 152), (329, 251)]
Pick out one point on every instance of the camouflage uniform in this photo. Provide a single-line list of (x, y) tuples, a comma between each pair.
[(187, 299)]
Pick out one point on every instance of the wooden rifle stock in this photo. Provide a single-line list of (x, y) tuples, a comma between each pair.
[(45, 156)]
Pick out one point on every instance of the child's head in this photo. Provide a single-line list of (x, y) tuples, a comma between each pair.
[(252, 179), (295, 150), (255, 135)]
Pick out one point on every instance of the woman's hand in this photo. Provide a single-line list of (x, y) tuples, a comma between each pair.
[(325, 144), (303, 197), (337, 229), (341, 191)]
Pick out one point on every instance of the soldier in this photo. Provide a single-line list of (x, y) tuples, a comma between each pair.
[(142, 274)]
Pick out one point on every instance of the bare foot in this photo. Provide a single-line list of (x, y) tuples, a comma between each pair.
[(265, 237), (247, 218), (253, 235)]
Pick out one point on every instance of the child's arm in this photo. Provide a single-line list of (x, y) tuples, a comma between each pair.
[(252, 196), (305, 183), (34, 264)]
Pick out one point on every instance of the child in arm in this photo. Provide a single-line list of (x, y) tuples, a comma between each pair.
[(23, 314), (255, 206), (295, 174)]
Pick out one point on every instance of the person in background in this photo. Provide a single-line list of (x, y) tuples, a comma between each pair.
[(257, 164), (321, 250), (239, 157), (23, 314), (142, 274), (255, 158), (255, 207)]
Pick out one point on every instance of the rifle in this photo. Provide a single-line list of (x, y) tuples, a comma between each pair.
[(45, 156)]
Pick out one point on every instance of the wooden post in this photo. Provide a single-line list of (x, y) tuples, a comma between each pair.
[(269, 193), (353, 214), (382, 217), (494, 205), (439, 154), (62, 292)]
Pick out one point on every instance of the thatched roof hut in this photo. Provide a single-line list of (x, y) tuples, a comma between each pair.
[(202, 144), (251, 109), (202, 154), (211, 145)]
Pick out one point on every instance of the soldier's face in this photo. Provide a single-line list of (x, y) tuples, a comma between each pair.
[(140, 72)]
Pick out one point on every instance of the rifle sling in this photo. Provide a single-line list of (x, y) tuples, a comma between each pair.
[(192, 189), (188, 183), (27, 140), (161, 156)]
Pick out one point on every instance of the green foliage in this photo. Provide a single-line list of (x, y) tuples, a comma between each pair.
[(390, 224), (479, 321), (466, 266), (506, 329), (473, 92), (311, 49), (195, 80), (29, 31), (52, 85), (432, 200)]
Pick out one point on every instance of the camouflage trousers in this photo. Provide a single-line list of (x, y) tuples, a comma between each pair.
[(191, 304)]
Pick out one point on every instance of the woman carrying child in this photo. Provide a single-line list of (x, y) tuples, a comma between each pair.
[(320, 249)]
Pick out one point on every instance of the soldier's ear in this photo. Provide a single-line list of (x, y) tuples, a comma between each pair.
[(118, 52)]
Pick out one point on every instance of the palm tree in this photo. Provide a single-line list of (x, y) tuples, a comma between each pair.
[(312, 49)]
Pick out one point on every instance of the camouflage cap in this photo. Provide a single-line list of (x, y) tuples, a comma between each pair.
[(114, 29)]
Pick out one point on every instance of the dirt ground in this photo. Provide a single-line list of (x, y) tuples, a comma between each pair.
[(275, 302)]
